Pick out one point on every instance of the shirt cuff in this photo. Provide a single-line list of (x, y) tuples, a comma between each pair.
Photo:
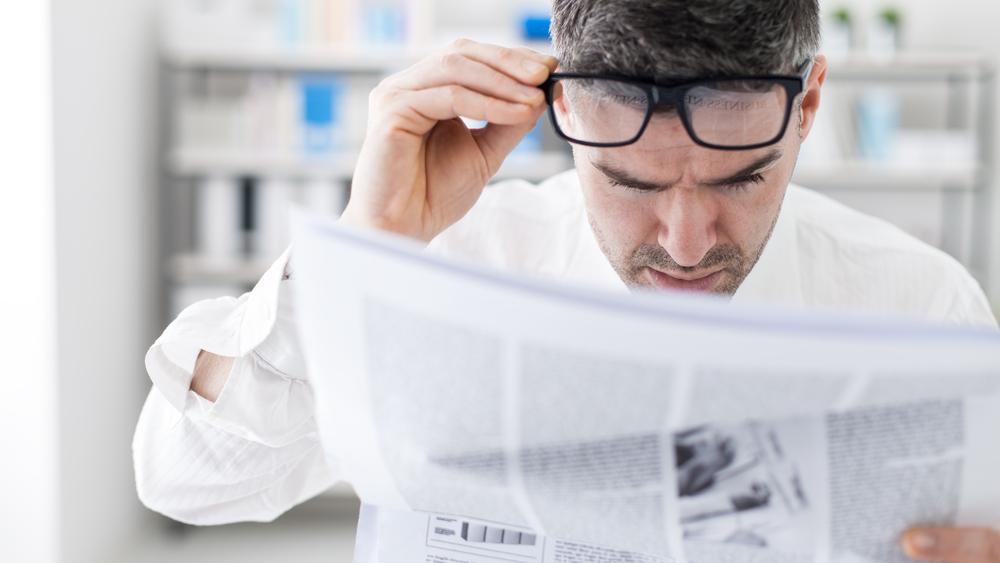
[(225, 326)]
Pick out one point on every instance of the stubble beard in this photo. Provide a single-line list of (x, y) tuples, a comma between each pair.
[(737, 265)]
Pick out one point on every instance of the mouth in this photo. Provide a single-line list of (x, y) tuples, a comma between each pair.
[(703, 282)]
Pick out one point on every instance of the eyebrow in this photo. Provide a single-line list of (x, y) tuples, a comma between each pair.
[(619, 176)]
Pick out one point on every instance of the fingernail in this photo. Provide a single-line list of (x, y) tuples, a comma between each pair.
[(923, 541), (533, 67)]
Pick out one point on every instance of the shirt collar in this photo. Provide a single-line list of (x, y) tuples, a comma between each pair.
[(776, 278)]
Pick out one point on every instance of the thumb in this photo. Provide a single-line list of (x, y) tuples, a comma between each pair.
[(954, 545), (497, 141)]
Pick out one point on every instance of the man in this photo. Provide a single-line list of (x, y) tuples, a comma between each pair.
[(686, 118)]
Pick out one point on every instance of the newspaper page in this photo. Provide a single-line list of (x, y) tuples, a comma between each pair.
[(556, 423)]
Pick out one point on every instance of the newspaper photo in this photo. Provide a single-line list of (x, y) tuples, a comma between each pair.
[(486, 417)]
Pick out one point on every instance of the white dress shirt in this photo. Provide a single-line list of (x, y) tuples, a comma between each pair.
[(254, 453)]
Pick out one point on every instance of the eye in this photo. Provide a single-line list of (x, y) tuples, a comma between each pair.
[(745, 184), (629, 187)]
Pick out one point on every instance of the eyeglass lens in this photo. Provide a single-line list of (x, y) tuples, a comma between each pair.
[(736, 113), (599, 111)]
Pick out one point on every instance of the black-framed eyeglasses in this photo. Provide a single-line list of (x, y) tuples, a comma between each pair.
[(726, 113)]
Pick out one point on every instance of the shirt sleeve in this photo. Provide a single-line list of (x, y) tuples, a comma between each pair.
[(253, 453)]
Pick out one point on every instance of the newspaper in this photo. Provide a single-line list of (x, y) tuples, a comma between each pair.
[(496, 418)]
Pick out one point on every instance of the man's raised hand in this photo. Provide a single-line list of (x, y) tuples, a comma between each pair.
[(420, 168)]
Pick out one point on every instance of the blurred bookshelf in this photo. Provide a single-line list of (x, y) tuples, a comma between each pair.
[(266, 106), (910, 65), (905, 65), (382, 59), (931, 169), (202, 162), (193, 268), (860, 174)]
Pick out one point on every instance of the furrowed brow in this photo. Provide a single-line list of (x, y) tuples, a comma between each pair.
[(756, 167), (622, 177), (619, 176)]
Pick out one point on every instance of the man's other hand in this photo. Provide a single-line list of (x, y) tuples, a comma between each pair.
[(953, 545)]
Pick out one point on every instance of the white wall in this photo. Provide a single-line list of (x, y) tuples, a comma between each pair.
[(28, 475), (105, 132)]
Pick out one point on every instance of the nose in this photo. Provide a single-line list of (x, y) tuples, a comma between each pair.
[(687, 224)]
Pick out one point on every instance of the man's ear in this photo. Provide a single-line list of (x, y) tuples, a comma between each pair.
[(811, 97), (559, 100)]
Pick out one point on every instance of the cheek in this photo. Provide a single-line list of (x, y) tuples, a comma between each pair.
[(625, 219), (746, 218)]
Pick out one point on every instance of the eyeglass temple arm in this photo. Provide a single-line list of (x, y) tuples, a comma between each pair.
[(806, 69)]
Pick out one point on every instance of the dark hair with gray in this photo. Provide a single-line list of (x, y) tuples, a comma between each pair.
[(685, 38)]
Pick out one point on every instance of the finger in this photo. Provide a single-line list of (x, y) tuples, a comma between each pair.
[(527, 66), (497, 141), (455, 68), (420, 110), (548, 60), (954, 545)]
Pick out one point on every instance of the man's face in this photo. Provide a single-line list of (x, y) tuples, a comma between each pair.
[(670, 214)]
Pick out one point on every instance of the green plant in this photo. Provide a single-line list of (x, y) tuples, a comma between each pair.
[(842, 15), (891, 16)]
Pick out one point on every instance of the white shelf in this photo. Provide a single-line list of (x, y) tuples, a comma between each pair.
[(374, 60), (908, 65), (195, 269), (233, 162), (207, 162), (360, 58), (387, 59), (863, 175)]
